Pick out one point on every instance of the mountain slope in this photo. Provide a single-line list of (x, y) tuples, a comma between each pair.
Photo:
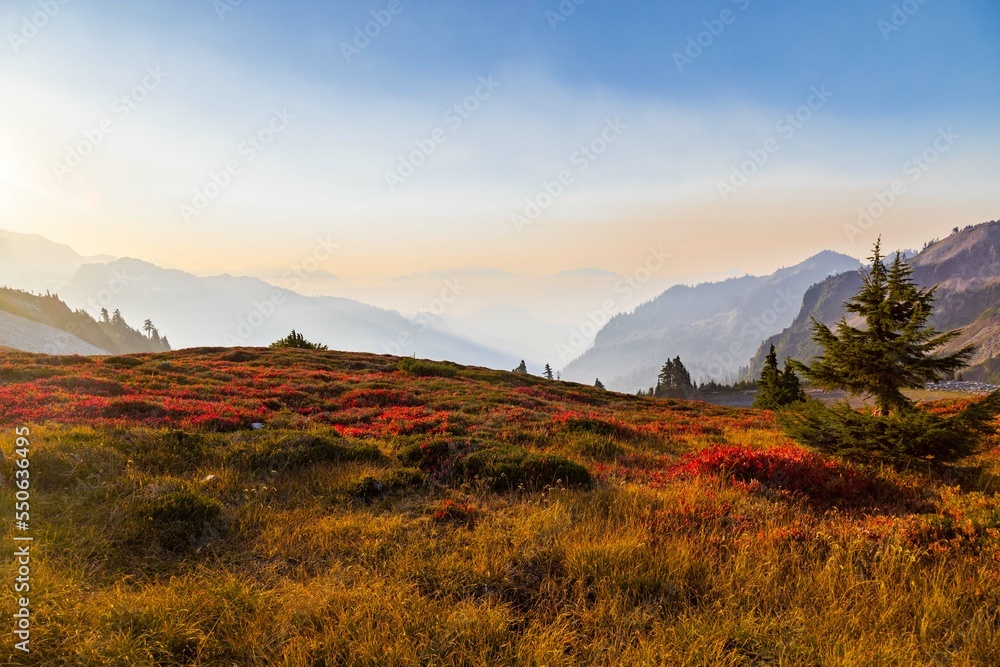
[(227, 310), (43, 323), (713, 327), (20, 333), (965, 267)]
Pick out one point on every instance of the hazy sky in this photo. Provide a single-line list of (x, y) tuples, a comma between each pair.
[(734, 134)]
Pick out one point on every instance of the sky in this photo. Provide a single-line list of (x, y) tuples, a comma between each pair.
[(524, 137)]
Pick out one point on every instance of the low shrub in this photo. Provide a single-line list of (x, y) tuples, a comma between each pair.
[(431, 455), (596, 427), (790, 468), (598, 447), (425, 368), (368, 487), (124, 361), (912, 437), (172, 452), (175, 518), (269, 453), (449, 511), (365, 488), (504, 468)]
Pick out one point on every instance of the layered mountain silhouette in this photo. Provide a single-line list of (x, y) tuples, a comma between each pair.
[(714, 327), (965, 267), (229, 310)]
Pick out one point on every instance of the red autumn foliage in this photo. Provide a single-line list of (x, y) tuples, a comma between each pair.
[(788, 467)]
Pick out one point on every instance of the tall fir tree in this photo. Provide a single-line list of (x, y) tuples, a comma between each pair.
[(776, 389), (895, 350), (674, 381), (548, 372)]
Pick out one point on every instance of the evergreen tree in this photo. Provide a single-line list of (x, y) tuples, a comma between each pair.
[(674, 381), (777, 389), (792, 391), (148, 327), (598, 384), (297, 340), (548, 372), (895, 350), (104, 316), (116, 318), (521, 369)]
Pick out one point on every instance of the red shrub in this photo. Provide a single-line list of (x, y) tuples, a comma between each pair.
[(787, 467)]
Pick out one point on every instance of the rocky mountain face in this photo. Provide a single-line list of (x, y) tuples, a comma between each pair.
[(965, 267), (714, 327)]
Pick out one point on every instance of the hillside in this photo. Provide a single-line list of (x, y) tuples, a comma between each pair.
[(43, 323), (966, 269), (397, 512), (713, 327)]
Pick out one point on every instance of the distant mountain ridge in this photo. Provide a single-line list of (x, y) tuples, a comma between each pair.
[(33, 262), (714, 327), (966, 269), (230, 310)]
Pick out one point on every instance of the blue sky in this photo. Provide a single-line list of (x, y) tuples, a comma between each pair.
[(892, 92)]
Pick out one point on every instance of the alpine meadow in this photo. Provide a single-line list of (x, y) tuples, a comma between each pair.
[(537, 333)]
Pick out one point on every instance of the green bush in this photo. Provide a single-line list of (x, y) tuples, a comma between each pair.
[(281, 452), (403, 478), (170, 452), (365, 488), (504, 468), (425, 368), (907, 437), (368, 487), (599, 447), (595, 426), (428, 455), (124, 362), (176, 518)]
